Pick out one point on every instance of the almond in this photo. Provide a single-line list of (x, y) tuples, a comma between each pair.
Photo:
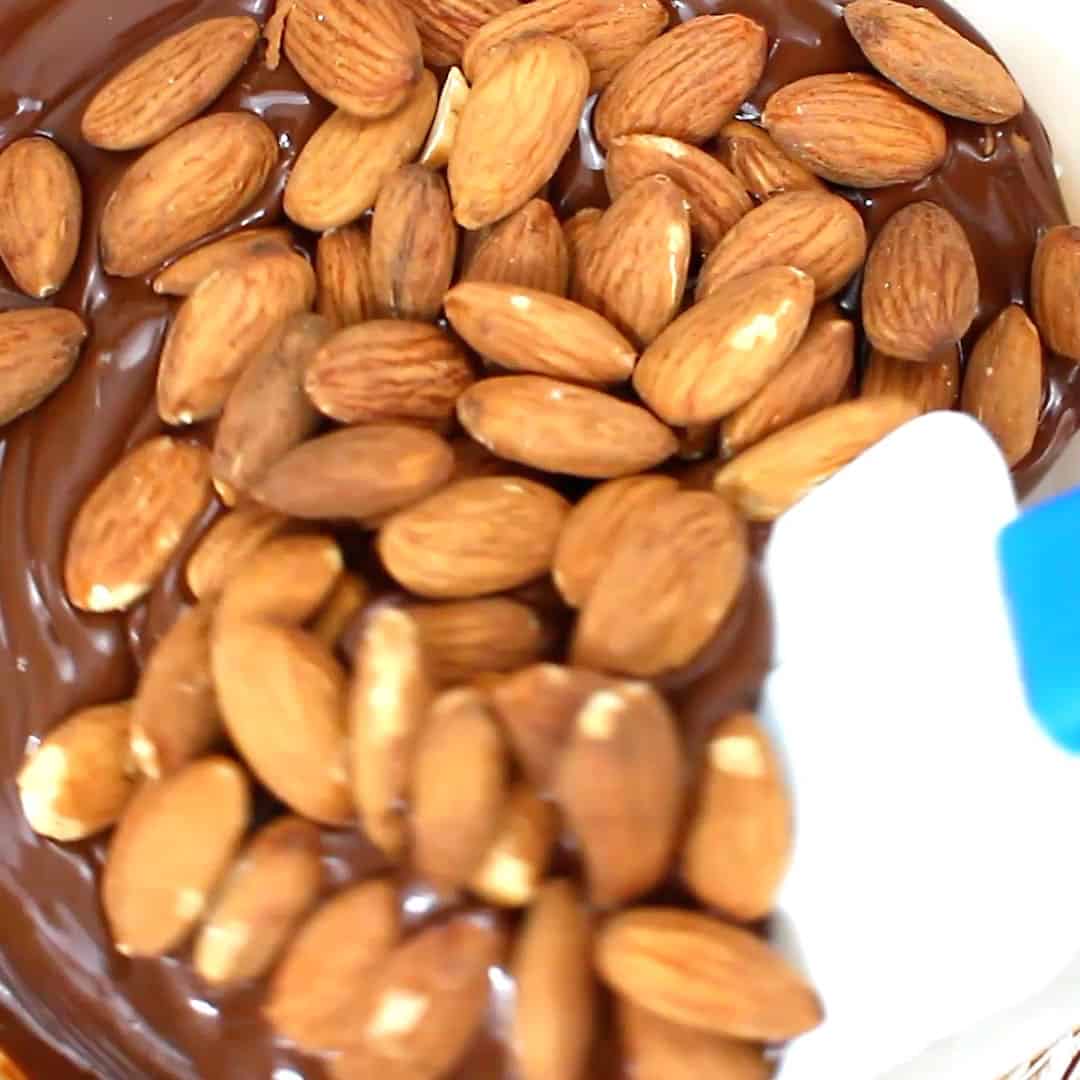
[(341, 607), (345, 293), (183, 277), (577, 232), (226, 546), (738, 846), (1003, 383), (555, 1004), (619, 783), (169, 84), (678, 566), (223, 325), (40, 214), (526, 249), (271, 886), (282, 696), (717, 200), (342, 166), (772, 476), (446, 25), (38, 351), (190, 184), (687, 83), (695, 970), (932, 62), (932, 384), (761, 166), (716, 356), (815, 376), (170, 850), (856, 130), (1054, 273), (131, 524), (443, 133), (357, 472), (79, 778), (563, 428), (920, 289)]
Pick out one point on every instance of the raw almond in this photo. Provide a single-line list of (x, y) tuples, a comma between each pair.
[(440, 139), (226, 546), (282, 696), (1054, 274), (619, 784), (761, 166), (717, 200), (184, 276), (446, 25), (856, 130), (78, 780), (342, 166), (170, 850), (932, 62), (563, 428), (38, 351), (716, 356), (40, 214), (678, 564), (345, 292), (932, 384), (772, 476), (131, 524), (169, 84), (687, 83), (738, 845), (271, 886), (1003, 383), (921, 285), (190, 184), (577, 232), (527, 249), (695, 970), (341, 607)]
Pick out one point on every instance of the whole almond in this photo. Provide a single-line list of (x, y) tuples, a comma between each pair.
[(270, 887), (40, 214), (443, 133), (526, 249), (342, 166), (687, 83), (738, 845), (716, 356), (183, 277), (38, 351), (773, 475), (855, 130), (445, 26), (226, 546), (932, 384), (223, 325), (555, 1005), (339, 610), (762, 167), (345, 292), (932, 62), (1054, 273), (563, 428), (619, 784), (693, 969), (170, 850), (717, 200), (679, 564), (921, 285), (131, 524), (169, 84), (506, 149), (282, 696), (577, 231), (80, 777), (357, 472), (185, 187), (1003, 383)]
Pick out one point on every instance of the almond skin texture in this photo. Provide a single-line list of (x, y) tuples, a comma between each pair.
[(855, 130), (474, 537), (527, 330), (170, 850), (446, 25), (933, 384), (38, 351), (1054, 275), (342, 166), (717, 355), (169, 84), (227, 545), (526, 249), (695, 970), (679, 564), (577, 232), (190, 184), (560, 427), (1003, 383), (182, 277), (357, 472), (932, 62), (40, 214), (921, 286), (130, 525), (345, 292), (506, 149), (717, 200), (762, 167), (687, 83)]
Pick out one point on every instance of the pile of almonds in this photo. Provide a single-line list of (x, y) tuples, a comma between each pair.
[(494, 721)]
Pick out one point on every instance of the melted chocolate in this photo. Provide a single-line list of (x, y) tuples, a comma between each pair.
[(61, 981)]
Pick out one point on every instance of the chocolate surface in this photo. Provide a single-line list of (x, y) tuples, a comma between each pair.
[(153, 1018)]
